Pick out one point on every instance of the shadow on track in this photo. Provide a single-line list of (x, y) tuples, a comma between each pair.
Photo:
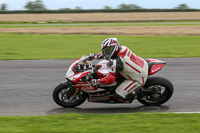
[(109, 110)]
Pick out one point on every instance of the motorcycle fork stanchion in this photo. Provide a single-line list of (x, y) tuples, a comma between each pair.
[(72, 93), (77, 90)]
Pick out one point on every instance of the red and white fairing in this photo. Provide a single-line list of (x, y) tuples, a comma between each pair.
[(72, 75), (76, 76), (155, 65), (102, 71), (104, 68)]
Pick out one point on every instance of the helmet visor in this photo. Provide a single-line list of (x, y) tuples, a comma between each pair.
[(107, 51)]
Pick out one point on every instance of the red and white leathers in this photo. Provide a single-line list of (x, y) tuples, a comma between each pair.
[(132, 67)]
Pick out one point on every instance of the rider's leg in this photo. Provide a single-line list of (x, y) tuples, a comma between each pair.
[(129, 86)]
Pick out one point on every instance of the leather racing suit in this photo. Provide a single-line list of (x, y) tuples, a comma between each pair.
[(132, 67)]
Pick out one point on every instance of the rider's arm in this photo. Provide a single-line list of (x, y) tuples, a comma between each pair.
[(116, 66), (98, 56), (95, 56)]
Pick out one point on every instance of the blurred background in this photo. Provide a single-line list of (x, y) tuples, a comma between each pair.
[(122, 11), (97, 4), (177, 21)]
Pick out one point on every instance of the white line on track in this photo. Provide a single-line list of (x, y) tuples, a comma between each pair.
[(186, 112)]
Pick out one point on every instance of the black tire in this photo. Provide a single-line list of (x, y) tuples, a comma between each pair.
[(56, 97), (162, 82)]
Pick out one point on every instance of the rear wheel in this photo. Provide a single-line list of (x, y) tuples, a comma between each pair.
[(156, 91), (61, 97)]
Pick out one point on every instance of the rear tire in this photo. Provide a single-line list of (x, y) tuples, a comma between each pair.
[(164, 96), (59, 96)]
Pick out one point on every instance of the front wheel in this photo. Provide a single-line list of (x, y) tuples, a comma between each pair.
[(156, 91), (61, 97)]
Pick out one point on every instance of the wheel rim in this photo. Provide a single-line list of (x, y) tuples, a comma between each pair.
[(161, 92), (62, 95)]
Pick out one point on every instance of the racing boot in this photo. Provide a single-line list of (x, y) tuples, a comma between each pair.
[(133, 95), (119, 99)]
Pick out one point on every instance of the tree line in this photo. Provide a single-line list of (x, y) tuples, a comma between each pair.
[(38, 5)]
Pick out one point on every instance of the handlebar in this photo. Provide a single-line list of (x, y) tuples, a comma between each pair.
[(86, 59)]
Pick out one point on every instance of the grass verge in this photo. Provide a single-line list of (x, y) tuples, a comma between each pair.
[(98, 123), (68, 24), (35, 46)]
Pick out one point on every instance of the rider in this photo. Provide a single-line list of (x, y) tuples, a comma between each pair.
[(133, 68)]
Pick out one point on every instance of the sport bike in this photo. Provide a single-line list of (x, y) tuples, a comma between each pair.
[(77, 87)]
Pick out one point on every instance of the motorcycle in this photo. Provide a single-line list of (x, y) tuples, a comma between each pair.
[(77, 87)]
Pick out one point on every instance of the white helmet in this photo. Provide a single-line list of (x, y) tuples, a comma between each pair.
[(109, 47)]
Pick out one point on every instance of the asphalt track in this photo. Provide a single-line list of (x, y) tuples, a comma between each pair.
[(26, 88)]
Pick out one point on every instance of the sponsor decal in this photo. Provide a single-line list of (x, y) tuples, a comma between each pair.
[(105, 98), (88, 88), (100, 94), (155, 70)]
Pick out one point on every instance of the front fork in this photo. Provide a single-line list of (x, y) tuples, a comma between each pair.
[(72, 91)]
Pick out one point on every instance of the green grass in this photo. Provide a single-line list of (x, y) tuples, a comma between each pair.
[(98, 123), (35, 46), (68, 24)]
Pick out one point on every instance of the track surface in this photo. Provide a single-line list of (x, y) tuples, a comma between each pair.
[(26, 88)]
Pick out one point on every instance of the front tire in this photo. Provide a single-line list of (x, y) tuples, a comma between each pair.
[(60, 96), (163, 89)]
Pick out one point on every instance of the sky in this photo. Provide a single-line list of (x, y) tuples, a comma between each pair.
[(99, 4)]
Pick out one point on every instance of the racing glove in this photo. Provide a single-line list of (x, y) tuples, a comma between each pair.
[(92, 56), (95, 82)]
